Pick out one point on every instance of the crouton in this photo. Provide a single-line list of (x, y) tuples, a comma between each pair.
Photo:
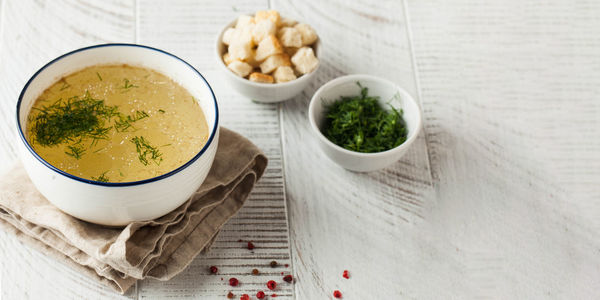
[(259, 77), (290, 37), (284, 74), (275, 61), (228, 36), (240, 68), (227, 59), (263, 29), (240, 49), (304, 60), (286, 22), (272, 15), (252, 60), (309, 35), (244, 21), (267, 47)]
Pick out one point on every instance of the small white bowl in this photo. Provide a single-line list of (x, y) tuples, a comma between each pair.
[(263, 92), (388, 93), (110, 203)]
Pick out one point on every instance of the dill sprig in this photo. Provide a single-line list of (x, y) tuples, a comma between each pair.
[(64, 86), (127, 85), (101, 178), (359, 123), (77, 117), (99, 77), (75, 151), (125, 122), (146, 151)]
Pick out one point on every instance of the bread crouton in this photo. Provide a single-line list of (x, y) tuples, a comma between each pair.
[(263, 29), (304, 60), (284, 74), (290, 37), (262, 78), (244, 21), (272, 15), (227, 59), (252, 60), (267, 47), (239, 49), (228, 35), (287, 22), (240, 68), (275, 61), (309, 35), (290, 50)]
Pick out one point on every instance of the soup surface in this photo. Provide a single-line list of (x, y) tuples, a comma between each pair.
[(116, 123)]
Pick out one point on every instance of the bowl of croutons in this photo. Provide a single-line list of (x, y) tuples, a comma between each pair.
[(266, 57)]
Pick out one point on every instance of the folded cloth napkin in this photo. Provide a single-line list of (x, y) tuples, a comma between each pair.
[(158, 248)]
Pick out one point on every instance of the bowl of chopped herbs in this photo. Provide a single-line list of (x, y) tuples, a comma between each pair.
[(364, 123)]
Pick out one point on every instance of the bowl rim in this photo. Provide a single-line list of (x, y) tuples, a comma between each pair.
[(117, 184), (345, 78), (219, 41)]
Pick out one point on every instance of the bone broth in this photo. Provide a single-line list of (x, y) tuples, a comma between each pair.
[(116, 123)]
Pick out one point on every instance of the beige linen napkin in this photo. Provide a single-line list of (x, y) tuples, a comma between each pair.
[(159, 248)]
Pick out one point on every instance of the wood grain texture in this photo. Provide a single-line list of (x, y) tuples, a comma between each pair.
[(33, 33), (509, 92), (368, 223), (189, 30)]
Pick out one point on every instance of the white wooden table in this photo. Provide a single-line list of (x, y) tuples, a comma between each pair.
[(499, 198)]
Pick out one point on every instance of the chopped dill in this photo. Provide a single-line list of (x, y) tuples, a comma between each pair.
[(101, 178), (99, 77), (121, 173), (65, 86), (165, 145), (161, 111), (125, 122), (127, 85), (359, 123), (75, 151), (145, 151), (77, 117)]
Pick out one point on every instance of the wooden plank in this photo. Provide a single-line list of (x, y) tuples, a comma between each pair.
[(509, 92), (189, 29), (367, 223), (32, 33)]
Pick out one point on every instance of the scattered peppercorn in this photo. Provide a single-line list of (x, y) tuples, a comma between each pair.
[(230, 295), (260, 294), (213, 269), (250, 246), (240, 240), (255, 272), (345, 274), (337, 294), (286, 265), (281, 273), (233, 281), (274, 295), (271, 284), (273, 264), (288, 278), (245, 297)]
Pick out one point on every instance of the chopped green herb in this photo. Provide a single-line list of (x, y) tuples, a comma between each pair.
[(78, 117), (161, 111), (99, 77), (121, 173), (101, 178), (127, 85), (75, 151), (359, 123), (165, 145), (64, 86), (125, 122), (145, 151)]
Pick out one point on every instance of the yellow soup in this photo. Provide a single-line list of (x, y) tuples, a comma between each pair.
[(116, 123)]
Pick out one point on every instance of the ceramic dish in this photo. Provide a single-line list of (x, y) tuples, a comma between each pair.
[(118, 204), (263, 92), (388, 93)]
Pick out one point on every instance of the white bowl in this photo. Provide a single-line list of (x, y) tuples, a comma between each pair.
[(388, 92), (263, 92), (118, 204)]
